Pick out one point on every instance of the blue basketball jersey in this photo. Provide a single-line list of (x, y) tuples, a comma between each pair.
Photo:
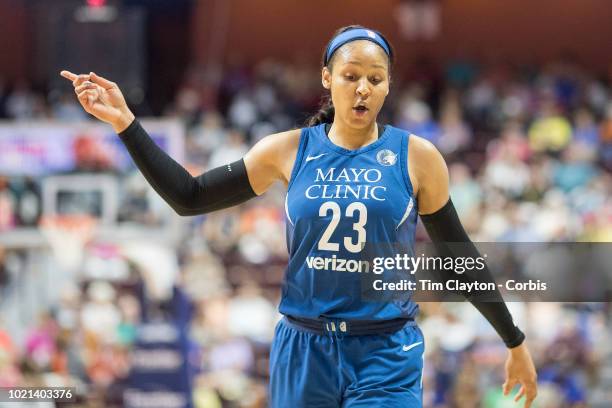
[(339, 202)]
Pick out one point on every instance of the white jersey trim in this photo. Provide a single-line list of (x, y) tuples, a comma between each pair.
[(287, 210), (406, 213)]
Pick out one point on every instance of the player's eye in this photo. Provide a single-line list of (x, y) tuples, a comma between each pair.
[(376, 80), (350, 77)]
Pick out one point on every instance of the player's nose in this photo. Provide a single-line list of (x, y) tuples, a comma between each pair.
[(363, 88)]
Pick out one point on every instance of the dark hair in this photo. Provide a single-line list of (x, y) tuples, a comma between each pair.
[(326, 108)]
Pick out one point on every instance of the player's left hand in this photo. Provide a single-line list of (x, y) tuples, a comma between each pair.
[(520, 370)]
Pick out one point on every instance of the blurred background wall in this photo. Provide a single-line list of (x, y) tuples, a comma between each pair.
[(522, 31)]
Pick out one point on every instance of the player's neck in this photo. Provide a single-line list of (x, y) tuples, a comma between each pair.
[(350, 138)]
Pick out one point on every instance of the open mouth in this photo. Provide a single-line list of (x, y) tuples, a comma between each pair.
[(360, 109)]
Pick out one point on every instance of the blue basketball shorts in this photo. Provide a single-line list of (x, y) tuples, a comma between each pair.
[(325, 371)]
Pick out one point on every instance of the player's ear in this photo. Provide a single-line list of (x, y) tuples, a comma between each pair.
[(326, 78)]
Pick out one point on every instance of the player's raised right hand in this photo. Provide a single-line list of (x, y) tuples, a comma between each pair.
[(101, 98)]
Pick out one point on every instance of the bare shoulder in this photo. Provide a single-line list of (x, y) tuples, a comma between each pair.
[(277, 148), (282, 142), (421, 155), (428, 173), (272, 158), (421, 149)]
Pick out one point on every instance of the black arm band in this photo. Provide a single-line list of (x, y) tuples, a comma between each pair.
[(444, 228), (215, 189)]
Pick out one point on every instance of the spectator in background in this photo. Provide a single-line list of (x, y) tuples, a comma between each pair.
[(232, 149), (575, 169), (66, 110), (507, 172), (516, 101), (546, 220), (28, 201), (563, 359), (204, 275), (67, 311), (251, 315), (455, 134), (481, 100), (262, 233), (100, 316), (512, 140), (187, 104), (606, 138), (585, 129), (205, 137), (243, 111), (40, 345), (9, 374), (21, 103), (7, 205), (415, 116), (4, 273), (520, 217), (550, 131), (140, 205), (130, 318), (222, 230), (91, 155), (465, 191), (541, 169)]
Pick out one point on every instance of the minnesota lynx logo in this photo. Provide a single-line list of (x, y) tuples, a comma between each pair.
[(386, 157)]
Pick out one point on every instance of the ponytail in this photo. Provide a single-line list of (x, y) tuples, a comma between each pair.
[(325, 113)]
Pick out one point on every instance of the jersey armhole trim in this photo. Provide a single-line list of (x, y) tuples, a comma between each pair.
[(406, 176), (404, 162), (287, 210), (298, 157)]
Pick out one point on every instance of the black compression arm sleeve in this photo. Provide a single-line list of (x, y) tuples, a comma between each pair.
[(444, 227), (216, 189)]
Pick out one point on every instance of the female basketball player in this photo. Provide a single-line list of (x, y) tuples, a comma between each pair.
[(349, 182)]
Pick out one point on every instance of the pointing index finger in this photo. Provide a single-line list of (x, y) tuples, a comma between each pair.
[(68, 75)]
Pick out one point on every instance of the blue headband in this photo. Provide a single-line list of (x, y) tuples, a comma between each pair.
[(353, 35)]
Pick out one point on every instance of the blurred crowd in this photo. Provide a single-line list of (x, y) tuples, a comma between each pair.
[(529, 151)]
